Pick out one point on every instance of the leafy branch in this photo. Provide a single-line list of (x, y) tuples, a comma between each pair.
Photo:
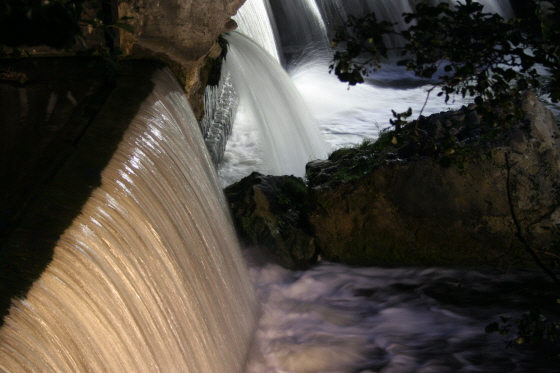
[(531, 328), (519, 232), (471, 53)]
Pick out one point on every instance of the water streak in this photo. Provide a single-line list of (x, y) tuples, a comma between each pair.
[(255, 20), (270, 105), (149, 278), (339, 319)]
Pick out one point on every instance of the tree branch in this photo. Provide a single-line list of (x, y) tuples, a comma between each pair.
[(519, 233)]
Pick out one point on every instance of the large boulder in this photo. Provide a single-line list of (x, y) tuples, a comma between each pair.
[(269, 213), (453, 191), (454, 200)]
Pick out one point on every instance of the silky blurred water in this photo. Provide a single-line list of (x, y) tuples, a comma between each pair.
[(336, 318), (150, 276)]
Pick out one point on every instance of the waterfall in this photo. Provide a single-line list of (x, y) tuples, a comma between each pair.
[(301, 26), (255, 20), (345, 116), (306, 26), (272, 107), (149, 278), (275, 129)]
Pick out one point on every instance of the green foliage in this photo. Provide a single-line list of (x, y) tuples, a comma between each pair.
[(356, 161), (532, 328), (400, 119), (363, 37), (472, 54), (482, 55)]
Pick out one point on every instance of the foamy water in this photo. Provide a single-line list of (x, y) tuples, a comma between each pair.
[(336, 318)]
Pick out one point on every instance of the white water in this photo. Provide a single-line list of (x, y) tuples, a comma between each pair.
[(255, 20), (340, 319), (149, 278), (274, 122), (346, 115)]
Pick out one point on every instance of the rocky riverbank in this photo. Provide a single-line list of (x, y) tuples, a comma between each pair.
[(455, 191)]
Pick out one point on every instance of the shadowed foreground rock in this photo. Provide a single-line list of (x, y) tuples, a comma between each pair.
[(269, 212), (60, 128)]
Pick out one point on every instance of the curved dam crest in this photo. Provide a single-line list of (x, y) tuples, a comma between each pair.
[(149, 277)]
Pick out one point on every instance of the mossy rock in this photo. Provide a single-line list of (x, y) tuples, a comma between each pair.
[(270, 214)]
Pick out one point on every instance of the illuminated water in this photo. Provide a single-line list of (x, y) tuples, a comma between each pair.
[(272, 118), (149, 278)]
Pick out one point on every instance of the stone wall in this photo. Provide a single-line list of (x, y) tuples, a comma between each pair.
[(181, 33)]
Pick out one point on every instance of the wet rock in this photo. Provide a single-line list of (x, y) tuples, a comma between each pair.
[(447, 201), (270, 213)]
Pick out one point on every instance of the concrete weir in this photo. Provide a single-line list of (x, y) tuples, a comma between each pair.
[(62, 119)]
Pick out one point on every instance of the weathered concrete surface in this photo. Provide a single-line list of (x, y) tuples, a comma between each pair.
[(60, 127)]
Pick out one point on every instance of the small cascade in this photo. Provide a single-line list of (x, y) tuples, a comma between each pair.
[(271, 106), (302, 26), (220, 107), (303, 30), (307, 26), (149, 278), (255, 20)]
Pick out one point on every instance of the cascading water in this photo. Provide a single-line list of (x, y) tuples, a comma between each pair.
[(308, 25), (302, 26), (349, 114), (149, 278), (278, 125), (346, 116), (220, 107), (255, 20)]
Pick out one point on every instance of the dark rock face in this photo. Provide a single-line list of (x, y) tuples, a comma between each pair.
[(450, 207), (183, 34), (268, 212)]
